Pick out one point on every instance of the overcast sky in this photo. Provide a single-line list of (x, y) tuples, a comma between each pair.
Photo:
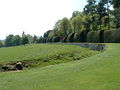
[(34, 16)]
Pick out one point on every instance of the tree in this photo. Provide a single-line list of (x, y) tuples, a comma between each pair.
[(9, 40), (90, 9), (16, 40), (39, 40), (24, 40), (65, 26), (46, 34), (35, 39), (116, 19), (116, 4), (30, 38), (116, 12), (86, 22), (1, 44), (76, 23), (104, 12), (75, 13), (23, 33)]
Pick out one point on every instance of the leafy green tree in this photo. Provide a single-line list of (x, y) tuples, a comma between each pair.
[(104, 11), (23, 33), (116, 19), (16, 40), (46, 34), (75, 13), (9, 40), (86, 22), (76, 23), (116, 12), (1, 44), (30, 38), (56, 29), (39, 40), (90, 9), (35, 39), (24, 40), (65, 26), (116, 4)]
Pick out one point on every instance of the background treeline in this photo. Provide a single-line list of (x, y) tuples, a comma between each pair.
[(16, 40), (96, 23)]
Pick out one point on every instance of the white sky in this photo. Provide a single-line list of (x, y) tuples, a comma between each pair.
[(34, 16)]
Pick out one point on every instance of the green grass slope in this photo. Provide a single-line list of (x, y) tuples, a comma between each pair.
[(43, 54), (99, 72)]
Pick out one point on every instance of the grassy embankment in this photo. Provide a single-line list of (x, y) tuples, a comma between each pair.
[(99, 72), (43, 54)]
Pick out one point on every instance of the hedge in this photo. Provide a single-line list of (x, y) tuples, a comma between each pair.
[(47, 40), (83, 36), (70, 37), (50, 39), (42, 40), (112, 36), (95, 36), (56, 39), (65, 38), (77, 37)]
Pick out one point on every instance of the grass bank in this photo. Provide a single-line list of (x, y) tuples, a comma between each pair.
[(99, 72)]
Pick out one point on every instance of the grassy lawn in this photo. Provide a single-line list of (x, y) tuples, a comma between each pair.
[(43, 54), (98, 72)]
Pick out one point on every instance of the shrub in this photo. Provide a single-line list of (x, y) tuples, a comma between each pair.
[(47, 40), (70, 37), (95, 36), (77, 37), (56, 39), (50, 39), (112, 36), (83, 36), (65, 38), (44, 40)]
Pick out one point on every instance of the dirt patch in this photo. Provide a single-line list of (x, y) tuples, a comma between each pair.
[(12, 66)]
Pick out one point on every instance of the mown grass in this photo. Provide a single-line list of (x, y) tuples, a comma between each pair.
[(43, 54), (99, 72)]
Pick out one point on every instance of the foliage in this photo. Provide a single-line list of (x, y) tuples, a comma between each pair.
[(83, 36), (9, 40), (17, 40), (65, 26), (70, 37), (77, 37), (76, 23), (116, 3), (56, 39), (1, 44), (65, 38), (112, 36), (24, 40), (95, 36), (99, 72)]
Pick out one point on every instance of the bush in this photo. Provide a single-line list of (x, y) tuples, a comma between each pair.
[(41, 41), (95, 36), (112, 36), (56, 39), (70, 37), (77, 37), (44, 40), (83, 36), (50, 39), (47, 40), (65, 38)]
